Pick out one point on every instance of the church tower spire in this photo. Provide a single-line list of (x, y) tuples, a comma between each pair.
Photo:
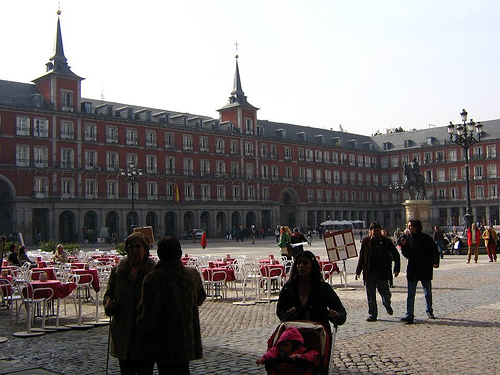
[(237, 95), (58, 63), (59, 86), (238, 110)]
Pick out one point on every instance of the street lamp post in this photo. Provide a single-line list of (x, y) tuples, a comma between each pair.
[(396, 187), (132, 175), (464, 135)]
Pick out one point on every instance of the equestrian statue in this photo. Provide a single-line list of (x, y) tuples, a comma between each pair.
[(414, 180)]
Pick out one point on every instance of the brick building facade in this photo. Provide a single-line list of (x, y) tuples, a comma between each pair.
[(61, 157)]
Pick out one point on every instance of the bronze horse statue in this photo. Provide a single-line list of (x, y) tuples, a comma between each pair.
[(415, 182)]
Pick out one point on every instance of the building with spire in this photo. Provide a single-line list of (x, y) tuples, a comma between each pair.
[(62, 157)]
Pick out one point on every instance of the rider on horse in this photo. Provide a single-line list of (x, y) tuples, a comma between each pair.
[(415, 180), (415, 168)]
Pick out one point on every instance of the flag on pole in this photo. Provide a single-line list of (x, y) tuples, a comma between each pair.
[(177, 196)]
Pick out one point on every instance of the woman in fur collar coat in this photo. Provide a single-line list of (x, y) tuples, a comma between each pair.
[(120, 302), (168, 312)]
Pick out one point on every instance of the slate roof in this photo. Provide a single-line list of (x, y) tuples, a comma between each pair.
[(20, 95), (316, 136), (432, 137), (17, 94)]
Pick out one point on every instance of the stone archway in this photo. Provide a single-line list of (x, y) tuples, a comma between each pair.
[(206, 223), (188, 222), (40, 224), (90, 222), (250, 219), (132, 221), (289, 207), (152, 221), (220, 224), (67, 227), (170, 224), (235, 220), (112, 221)]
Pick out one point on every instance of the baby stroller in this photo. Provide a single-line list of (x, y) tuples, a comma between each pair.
[(316, 337)]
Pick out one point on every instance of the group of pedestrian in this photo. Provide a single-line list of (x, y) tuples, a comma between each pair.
[(474, 236), (154, 309), (376, 257), (291, 243)]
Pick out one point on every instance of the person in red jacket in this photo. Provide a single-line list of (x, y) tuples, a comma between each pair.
[(204, 240), (290, 344), (473, 240)]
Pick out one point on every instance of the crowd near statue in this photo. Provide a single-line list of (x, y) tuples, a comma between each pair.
[(414, 180)]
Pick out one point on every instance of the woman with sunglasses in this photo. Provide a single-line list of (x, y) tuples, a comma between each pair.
[(120, 302)]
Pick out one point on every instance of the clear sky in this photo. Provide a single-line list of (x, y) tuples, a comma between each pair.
[(365, 64)]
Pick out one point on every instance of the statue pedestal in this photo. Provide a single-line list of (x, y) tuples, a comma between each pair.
[(419, 209)]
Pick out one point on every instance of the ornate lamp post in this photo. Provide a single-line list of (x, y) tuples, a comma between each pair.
[(396, 187), (465, 136), (132, 175)]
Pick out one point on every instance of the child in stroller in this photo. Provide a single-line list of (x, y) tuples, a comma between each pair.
[(290, 345), (310, 354)]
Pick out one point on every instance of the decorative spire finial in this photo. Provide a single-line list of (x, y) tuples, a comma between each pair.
[(58, 8), (236, 45)]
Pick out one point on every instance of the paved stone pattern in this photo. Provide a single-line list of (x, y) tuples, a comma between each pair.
[(462, 340)]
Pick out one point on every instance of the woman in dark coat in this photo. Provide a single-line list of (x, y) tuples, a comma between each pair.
[(306, 296), (168, 311), (120, 302)]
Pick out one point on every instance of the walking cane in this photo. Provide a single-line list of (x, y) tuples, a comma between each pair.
[(107, 351), (3, 239)]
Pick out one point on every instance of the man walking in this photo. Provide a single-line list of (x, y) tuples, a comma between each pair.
[(375, 261), (438, 237), (423, 256)]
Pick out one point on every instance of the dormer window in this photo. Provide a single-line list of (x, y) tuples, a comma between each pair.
[(320, 138), (86, 107), (143, 114), (182, 119), (430, 141), (368, 145), (37, 100), (302, 136), (104, 109), (260, 130), (337, 141), (386, 146), (280, 133)]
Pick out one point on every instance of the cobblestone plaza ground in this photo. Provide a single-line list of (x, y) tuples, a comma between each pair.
[(464, 339)]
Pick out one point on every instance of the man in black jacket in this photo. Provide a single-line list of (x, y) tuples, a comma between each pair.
[(423, 256), (375, 261)]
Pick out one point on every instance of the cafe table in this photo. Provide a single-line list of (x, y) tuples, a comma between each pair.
[(50, 271), (43, 290)]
